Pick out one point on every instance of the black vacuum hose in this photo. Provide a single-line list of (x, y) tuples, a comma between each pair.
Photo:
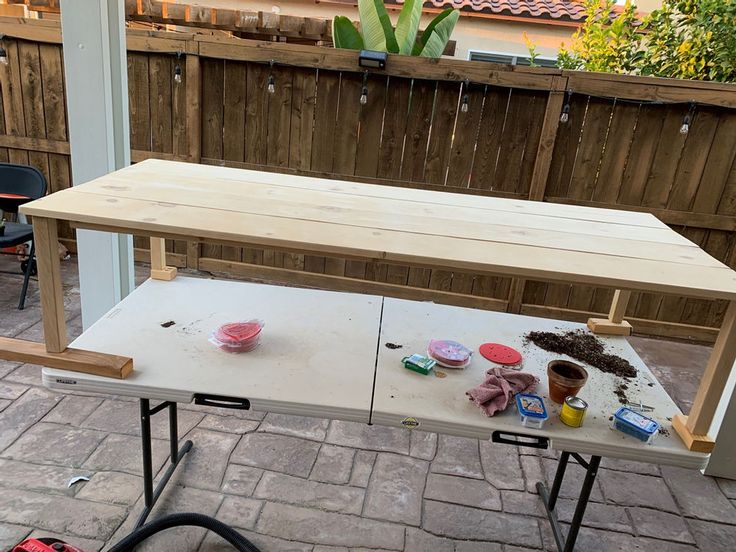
[(175, 520)]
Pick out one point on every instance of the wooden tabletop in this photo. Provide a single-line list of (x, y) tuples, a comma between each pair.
[(620, 249)]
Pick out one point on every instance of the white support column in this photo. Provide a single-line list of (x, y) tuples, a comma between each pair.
[(723, 458), (95, 70)]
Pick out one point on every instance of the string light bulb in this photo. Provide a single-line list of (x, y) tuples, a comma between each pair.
[(565, 115), (687, 119), (3, 53), (364, 90), (177, 68), (464, 106), (271, 86)]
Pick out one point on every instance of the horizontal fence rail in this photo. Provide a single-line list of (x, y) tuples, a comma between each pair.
[(448, 125)]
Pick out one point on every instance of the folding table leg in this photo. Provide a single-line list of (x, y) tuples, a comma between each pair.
[(549, 499), (151, 494), (27, 276)]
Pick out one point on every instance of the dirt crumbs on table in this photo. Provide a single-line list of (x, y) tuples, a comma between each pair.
[(664, 432), (585, 347), (620, 392), (390, 345), (439, 374), (167, 324)]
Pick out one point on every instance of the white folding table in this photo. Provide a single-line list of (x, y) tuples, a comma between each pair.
[(324, 354)]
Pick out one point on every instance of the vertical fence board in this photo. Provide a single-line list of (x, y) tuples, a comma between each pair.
[(489, 138), (440, 140), (394, 127), (616, 152), (179, 114), (418, 124), (346, 125), (279, 119), (234, 115), (10, 81), (566, 147), (323, 139), (213, 91), (30, 67), (256, 114), (3, 151), (161, 78), (721, 159), (138, 102), (460, 168), (303, 99), (533, 134), (370, 126), (595, 129)]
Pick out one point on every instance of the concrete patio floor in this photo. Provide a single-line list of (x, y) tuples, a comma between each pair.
[(304, 484)]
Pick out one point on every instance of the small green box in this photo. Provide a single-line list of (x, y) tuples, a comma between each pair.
[(419, 363)]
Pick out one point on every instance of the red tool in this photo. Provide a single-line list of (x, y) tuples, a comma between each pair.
[(45, 545), (500, 354)]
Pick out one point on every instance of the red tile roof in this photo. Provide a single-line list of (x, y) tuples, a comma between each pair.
[(559, 10)]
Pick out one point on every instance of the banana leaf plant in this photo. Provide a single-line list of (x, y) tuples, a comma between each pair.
[(377, 33)]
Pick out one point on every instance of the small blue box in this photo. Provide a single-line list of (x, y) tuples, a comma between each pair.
[(532, 410), (633, 423)]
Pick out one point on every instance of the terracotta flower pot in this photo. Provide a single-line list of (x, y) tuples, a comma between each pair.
[(565, 379)]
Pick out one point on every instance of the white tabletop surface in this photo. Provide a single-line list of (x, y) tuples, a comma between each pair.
[(440, 404), (318, 358)]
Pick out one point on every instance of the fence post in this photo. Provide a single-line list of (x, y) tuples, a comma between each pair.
[(194, 107)]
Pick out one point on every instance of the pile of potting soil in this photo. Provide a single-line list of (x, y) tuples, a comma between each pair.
[(584, 347)]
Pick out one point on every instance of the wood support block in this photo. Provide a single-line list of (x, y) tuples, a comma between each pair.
[(76, 360), (605, 327), (695, 443), (166, 273)]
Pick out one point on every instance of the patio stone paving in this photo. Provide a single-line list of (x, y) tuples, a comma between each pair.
[(304, 484)]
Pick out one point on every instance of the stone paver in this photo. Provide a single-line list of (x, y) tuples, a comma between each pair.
[(395, 489), (457, 456), (462, 490), (333, 464), (294, 490), (305, 524), (308, 485), (289, 455)]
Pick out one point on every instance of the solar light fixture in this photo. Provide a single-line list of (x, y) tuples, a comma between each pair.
[(372, 59)]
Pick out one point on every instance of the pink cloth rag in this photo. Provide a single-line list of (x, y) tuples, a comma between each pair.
[(500, 385)]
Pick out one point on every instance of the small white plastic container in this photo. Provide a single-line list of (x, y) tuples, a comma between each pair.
[(532, 410)]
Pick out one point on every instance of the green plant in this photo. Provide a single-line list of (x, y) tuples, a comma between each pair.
[(532, 50), (377, 33), (688, 39)]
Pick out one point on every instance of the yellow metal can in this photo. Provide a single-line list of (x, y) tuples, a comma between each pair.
[(573, 411)]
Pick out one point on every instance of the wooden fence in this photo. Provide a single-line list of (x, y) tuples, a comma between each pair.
[(456, 126)]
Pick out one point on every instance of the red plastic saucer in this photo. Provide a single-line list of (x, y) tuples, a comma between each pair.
[(500, 354)]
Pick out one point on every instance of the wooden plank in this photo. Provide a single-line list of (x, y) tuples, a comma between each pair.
[(159, 269), (666, 160), (566, 146), (370, 125), (256, 114), (10, 82), (46, 239), (323, 140), (694, 157), (346, 127), (161, 78), (586, 170), (616, 152), (548, 135), (75, 360), (721, 160), (715, 376), (194, 108), (488, 142), (213, 91), (648, 132), (179, 110), (36, 144), (234, 101), (303, 100), (443, 125), (394, 128), (138, 102), (521, 131), (279, 115), (466, 135), (32, 86), (418, 124)]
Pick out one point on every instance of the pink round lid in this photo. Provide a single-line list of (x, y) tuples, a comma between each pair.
[(500, 354)]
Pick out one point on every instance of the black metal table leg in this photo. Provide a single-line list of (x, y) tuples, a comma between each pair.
[(549, 499), (150, 494)]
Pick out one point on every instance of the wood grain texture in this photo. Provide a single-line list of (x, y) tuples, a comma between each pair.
[(46, 238)]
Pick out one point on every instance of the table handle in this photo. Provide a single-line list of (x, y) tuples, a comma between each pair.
[(222, 402), (508, 438)]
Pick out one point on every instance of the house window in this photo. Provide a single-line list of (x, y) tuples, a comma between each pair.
[(512, 59)]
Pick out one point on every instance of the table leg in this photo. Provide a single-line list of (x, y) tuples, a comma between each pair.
[(615, 323), (151, 494), (46, 238), (549, 499), (159, 270)]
